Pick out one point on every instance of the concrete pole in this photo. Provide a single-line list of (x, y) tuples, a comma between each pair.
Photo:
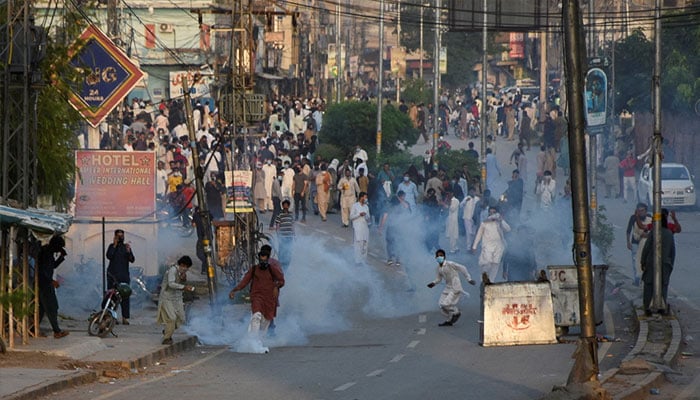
[(484, 84), (420, 72), (585, 367), (338, 59), (436, 78), (398, 46), (658, 303), (203, 208), (380, 79), (593, 138)]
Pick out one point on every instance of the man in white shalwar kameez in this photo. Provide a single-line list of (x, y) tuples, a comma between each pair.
[(452, 293), (270, 175), (493, 244), (359, 215), (452, 224), (171, 310)]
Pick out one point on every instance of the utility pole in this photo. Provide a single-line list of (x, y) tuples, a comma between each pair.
[(436, 78), (398, 46), (484, 84), (593, 135), (420, 72), (338, 59), (658, 302), (585, 367), (380, 79), (199, 184)]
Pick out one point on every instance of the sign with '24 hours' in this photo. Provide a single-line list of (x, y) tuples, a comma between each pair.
[(108, 75)]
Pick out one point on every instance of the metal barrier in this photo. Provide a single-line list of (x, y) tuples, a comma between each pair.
[(564, 281), (517, 313)]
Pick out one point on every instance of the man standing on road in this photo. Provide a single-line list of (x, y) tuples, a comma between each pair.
[(360, 217), (48, 303), (348, 195), (468, 207), (629, 180), (493, 243), (452, 293), (266, 279), (120, 255), (285, 234), (171, 311), (323, 190), (636, 237), (299, 189), (668, 257)]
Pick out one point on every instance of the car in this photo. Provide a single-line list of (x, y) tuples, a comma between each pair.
[(677, 187)]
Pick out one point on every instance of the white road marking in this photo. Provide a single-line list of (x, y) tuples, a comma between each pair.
[(375, 373), (339, 238), (161, 377), (344, 387), (413, 344), (422, 319), (397, 358), (421, 331)]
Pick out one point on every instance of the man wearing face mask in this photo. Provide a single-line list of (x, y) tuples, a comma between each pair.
[(410, 189), (120, 255), (452, 293), (493, 243), (266, 279)]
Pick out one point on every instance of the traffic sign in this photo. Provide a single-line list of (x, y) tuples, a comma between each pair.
[(109, 75)]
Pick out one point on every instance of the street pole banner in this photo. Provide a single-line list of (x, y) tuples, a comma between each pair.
[(443, 60), (198, 88), (517, 313), (115, 184), (596, 97), (239, 186)]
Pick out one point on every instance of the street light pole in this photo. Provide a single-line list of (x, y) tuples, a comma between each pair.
[(381, 77), (398, 46), (338, 59), (658, 302), (201, 201), (484, 76), (436, 78), (420, 72)]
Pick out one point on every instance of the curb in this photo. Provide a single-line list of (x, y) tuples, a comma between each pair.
[(61, 384), (90, 376), (149, 359)]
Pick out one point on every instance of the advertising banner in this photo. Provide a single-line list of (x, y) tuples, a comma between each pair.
[(443, 60), (199, 88), (239, 186), (596, 97), (115, 184)]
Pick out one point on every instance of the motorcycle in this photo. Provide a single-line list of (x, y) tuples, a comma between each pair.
[(101, 323)]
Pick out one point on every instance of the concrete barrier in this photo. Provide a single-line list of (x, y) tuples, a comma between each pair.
[(517, 313), (564, 281)]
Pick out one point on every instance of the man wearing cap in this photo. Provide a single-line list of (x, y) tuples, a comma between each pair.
[(265, 279)]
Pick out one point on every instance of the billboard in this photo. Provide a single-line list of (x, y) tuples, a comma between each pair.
[(596, 97), (200, 88), (239, 186), (503, 15), (109, 75), (115, 184)]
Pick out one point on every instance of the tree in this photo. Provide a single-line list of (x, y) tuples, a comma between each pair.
[(352, 123), (634, 58)]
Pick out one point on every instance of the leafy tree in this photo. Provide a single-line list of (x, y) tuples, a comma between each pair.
[(352, 123), (416, 90), (634, 56)]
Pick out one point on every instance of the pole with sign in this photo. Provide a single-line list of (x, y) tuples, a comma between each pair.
[(596, 92)]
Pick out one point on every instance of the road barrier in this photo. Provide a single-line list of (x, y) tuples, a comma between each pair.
[(517, 313), (564, 281)]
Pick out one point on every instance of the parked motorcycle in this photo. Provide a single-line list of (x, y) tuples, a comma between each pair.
[(102, 322)]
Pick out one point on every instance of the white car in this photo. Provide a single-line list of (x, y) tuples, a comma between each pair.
[(677, 188)]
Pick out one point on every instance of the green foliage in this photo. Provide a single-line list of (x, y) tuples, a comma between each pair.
[(329, 151), (399, 162), (634, 61), (602, 234), (454, 160), (352, 123), (417, 91)]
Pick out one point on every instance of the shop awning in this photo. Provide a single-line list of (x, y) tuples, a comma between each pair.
[(34, 219)]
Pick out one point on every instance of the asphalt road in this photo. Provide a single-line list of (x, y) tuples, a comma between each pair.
[(349, 332)]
